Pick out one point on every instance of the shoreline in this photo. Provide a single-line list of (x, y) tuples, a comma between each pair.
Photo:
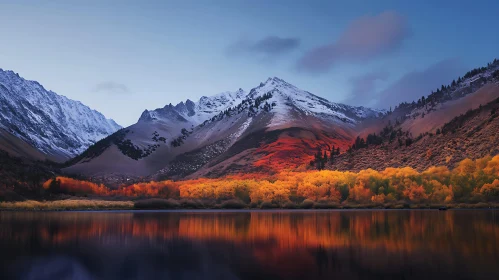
[(162, 204), (213, 210)]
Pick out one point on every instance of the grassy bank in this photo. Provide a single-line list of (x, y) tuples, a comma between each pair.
[(158, 203), (67, 204)]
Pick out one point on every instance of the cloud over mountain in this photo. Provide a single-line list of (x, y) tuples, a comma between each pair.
[(111, 87), (364, 39), (417, 83), (270, 46)]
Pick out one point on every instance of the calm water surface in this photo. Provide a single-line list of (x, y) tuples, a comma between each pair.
[(454, 244)]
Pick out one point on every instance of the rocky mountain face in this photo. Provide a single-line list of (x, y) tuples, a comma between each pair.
[(194, 113), (272, 127), (277, 126), (455, 122), (291, 97), (55, 125), (274, 122)]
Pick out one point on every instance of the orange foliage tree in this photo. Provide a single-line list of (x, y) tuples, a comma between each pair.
[(470, 179), (73, 186)]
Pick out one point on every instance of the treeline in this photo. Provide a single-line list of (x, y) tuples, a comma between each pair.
[(444, 92), (21, 178), (459, 121), (253, 106), (388, 134), (371, 139), (322, 157), (177, 142), (99, 147), (133, 151), (472, 181), (118, 138)]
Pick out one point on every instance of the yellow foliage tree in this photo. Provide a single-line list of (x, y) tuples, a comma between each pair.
[(441, 193), (490, 190), (415, 193), (360, 194)]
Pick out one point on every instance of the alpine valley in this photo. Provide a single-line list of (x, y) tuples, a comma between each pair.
[(274, 126), (271, 128)]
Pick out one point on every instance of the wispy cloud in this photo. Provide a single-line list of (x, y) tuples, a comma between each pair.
[(417, 83), (270, 46), (111, 87), (364, 39)]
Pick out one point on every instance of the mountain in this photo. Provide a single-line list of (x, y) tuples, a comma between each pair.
[(17, 147), (194, 112), (273, 126), (455, 122), (38, 123), (277, 126)]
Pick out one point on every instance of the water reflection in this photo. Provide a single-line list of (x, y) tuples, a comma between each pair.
[(250, 245)]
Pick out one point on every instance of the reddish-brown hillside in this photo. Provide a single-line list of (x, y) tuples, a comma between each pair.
[(274, 151), (473, 134)]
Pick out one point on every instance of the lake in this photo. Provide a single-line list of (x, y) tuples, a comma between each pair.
[(338, 244)]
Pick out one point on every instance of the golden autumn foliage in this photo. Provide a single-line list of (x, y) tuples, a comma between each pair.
[(360, 193), (379, 198), (415, 193), (470, 180), (153, 189), (491, 189), (440, 192)]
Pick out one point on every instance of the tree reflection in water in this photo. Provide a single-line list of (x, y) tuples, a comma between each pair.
[(248, 245)]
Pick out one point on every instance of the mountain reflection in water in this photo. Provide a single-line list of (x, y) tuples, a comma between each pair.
[(454, 244)]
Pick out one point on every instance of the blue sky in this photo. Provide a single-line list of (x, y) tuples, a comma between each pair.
[(121, 57)]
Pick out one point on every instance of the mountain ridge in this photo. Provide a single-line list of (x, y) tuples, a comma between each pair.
[(277, 126), (274, 105), (455, 122), (217, 103), (57, 126)]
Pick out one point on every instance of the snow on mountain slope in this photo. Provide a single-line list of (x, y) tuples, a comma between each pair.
[(56, 125), (284, 99), (195, 113), (287, 96), (274, 120)]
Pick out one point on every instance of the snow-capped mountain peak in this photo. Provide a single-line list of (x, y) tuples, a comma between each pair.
[(285, 94), (270, 84), (196, 112), (284, 98), (52, 123)]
